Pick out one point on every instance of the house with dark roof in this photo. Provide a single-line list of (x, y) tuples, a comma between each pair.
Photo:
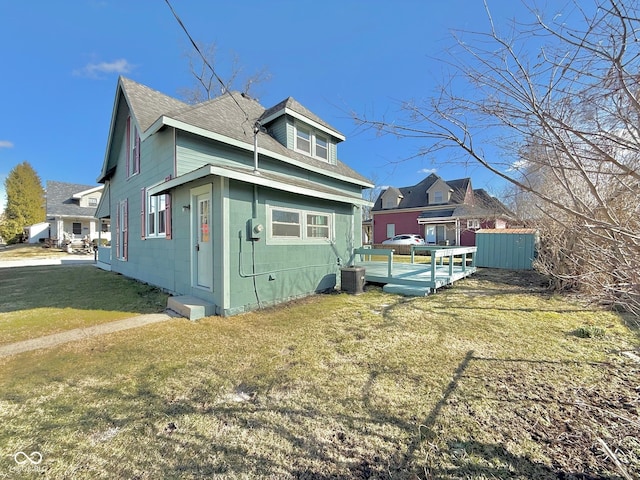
[(70, 213), (443, 212), (226, 204)]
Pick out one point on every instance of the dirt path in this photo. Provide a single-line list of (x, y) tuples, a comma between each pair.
[(81, 333)]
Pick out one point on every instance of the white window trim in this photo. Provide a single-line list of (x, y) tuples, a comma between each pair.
[(313, 135), (315, 146), (153, 200), (303, 239), (473, 224)]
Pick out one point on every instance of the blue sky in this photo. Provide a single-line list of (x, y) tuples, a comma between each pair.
[(61, 60)]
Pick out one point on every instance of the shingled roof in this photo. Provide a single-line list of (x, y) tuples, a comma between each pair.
[(232, 115), (415, 196), (60, 201)]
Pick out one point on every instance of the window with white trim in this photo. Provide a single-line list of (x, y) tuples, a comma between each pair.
[(317, 225), (322, 147), (303, 139), (156, 215), (473, 224), (311, 142), (288, 225)]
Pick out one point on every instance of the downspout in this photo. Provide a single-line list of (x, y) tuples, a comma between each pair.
[(256, 171)]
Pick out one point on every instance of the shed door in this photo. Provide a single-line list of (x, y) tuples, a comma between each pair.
[(203, 247)]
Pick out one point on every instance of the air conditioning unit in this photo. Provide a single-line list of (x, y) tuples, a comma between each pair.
[(352, 279)]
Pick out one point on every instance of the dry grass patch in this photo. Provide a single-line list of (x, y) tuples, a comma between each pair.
[(456, 385), (37, 301), (27, 251)]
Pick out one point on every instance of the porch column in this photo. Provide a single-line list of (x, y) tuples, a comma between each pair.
[(457, 231), (60, 230)]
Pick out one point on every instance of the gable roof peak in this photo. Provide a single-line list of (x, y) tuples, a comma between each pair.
[(290, 106), (146, 104)]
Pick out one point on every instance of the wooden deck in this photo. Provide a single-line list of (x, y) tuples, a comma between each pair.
[(446, 265)]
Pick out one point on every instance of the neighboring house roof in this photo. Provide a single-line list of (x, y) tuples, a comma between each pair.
[(229, 118), (62, 199), (437, 213), (415, 196), (484, 200)]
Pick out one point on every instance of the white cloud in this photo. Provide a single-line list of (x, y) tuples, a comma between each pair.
[(428, 171), (6, 144), (95, 70), (518, 165)]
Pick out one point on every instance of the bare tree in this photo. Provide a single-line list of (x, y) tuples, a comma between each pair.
[(554, 109), (371, 194), (210, 84)]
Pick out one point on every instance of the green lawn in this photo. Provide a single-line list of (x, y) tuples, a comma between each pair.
[(37, 301), (487, 379)]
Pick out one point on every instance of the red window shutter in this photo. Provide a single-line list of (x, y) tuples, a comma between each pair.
[(143, 211), (128, 146), (118, 231), (125, 230), (167, 213), (136, 152)]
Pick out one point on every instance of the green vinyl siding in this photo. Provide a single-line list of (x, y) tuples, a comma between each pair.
[(193, 153), (265, 274), (156, 163), (278, 130)]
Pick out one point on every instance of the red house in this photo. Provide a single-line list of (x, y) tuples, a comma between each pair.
[(443, 212)]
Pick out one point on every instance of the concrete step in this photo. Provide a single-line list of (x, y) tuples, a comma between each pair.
[(191, 307), (407, 290)]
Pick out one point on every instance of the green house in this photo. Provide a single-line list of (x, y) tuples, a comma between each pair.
[(226, 204)]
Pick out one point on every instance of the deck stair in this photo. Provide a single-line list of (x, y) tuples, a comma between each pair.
[(407, 290)]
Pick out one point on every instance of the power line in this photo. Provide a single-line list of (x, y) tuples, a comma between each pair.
[(204, 59)]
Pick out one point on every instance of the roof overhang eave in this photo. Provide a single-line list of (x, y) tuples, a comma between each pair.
[(255, 178), (307, 120), (180, 125), (424, 221)]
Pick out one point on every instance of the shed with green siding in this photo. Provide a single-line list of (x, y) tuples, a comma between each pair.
[(508, 248)]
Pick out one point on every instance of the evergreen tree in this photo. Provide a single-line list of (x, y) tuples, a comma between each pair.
[(25, 202)]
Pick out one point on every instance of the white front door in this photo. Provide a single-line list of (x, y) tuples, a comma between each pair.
[(430, 234), (203, 248)]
